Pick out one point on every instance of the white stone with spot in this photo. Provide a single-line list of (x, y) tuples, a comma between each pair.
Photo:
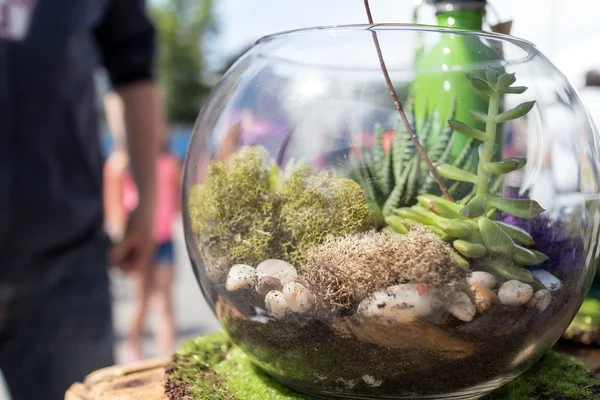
[(276, 304), (239, 277), (515, 293), (462, 308), (401, 303), (540, 300), (279, 269), (298, 297), (549, 281), (482, 278)]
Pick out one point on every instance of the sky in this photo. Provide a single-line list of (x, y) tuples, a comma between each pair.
[(566, 31)]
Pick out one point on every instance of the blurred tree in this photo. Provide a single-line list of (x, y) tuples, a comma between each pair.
[(183, 27)]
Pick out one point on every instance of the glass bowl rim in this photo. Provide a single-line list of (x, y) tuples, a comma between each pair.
[(382, 27)]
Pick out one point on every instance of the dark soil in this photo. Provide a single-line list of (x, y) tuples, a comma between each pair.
[(307, 351)]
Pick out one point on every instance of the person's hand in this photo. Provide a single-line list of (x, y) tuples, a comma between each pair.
[(135, 251)]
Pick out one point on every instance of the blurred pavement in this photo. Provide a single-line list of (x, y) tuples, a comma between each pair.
[(191, 311)]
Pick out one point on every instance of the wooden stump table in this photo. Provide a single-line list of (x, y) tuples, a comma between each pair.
[(139, 381)]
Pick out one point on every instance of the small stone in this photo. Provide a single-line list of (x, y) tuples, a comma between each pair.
[(279, 269), (549, 281), (482, 278), (401, 303), (239, 277), (515, 293), (483, 298), (276, 304), (298, 297), (371, 381), (462, 308), (266, 284), (540, 300)]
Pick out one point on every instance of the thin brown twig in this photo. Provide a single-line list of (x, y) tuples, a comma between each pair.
[(400, 109)]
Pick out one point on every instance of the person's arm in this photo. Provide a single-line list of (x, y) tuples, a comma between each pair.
[(126, 39), (113, 198)]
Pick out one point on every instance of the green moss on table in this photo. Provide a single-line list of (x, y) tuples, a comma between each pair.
[(210, 367)]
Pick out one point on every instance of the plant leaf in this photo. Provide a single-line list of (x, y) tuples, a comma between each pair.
[(514, 90), (412, 181), (416, 216), (522, 208), (480, 84), (522, 256), (495, 239), (475, 207), (491, 75), (505, 80), (471, 250), (516, 112), (541, 257), (509, 270), (456, 228), (439, 208), (467, 130), (379, 154), (517, 234), (507, 165), (478, 116), (457, 174), (395, 223)]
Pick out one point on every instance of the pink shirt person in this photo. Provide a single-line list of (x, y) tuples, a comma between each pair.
[(167, 198)]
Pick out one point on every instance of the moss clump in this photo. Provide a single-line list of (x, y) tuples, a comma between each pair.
[(243, 214), (347, 269), (210, 367), (317, 206), (232, 213)]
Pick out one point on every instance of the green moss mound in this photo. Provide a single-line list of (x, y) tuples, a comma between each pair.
[(232, 212), (317, 206), (245, 213), (210, 367)]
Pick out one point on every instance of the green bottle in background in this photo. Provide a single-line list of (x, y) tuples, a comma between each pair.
[(440, 79)]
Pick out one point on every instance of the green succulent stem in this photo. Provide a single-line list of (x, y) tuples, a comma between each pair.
[(468, 225), (488, 145)]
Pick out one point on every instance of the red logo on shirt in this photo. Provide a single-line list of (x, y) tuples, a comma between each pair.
[(15, 17)]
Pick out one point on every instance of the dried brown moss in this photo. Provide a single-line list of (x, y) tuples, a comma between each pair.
[(345, 270)]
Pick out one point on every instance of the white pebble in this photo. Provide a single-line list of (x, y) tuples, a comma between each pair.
[(462, 308), (279, 269), (515, 293), (549, 281), (371, 381), (298, 297), (240, 276), (276, 305), (401, 303), (482, 278), (540, 300)]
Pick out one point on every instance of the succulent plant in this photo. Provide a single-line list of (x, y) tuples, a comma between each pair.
[(469, 226), (394, 178)]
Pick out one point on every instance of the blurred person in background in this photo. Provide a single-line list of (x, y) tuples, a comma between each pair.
[(55, 305), (121, 198)]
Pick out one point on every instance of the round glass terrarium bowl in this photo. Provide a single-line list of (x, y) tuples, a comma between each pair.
[(343, 263)]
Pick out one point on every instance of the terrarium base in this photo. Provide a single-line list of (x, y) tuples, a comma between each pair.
[(470, 394), (211, 367)]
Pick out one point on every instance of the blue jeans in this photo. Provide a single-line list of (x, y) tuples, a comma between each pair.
[(60, 328)]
